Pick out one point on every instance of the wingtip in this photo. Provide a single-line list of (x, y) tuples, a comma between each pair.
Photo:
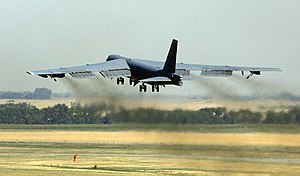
[(30, 73), (277, 69)]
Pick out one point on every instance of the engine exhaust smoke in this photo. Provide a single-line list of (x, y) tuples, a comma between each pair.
[(101, 91)]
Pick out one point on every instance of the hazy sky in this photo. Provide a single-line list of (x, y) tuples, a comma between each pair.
[(50, 34)]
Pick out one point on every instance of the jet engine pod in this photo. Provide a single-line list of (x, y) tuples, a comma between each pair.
[(255, 72), (58, 75), (180, 83), (43, 76)]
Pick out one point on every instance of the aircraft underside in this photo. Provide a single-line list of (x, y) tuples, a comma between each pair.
[(155, 86)]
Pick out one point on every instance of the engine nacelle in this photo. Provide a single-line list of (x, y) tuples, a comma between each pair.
[(217, 73), (255, 72), (179, 83), (176, 79), (59, 75)]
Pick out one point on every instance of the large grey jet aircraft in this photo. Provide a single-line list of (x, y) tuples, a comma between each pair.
[(153, 73)]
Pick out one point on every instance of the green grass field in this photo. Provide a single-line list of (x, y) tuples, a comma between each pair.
[(202, 128), (96, 158)]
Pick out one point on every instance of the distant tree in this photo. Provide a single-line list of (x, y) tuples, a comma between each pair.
[(293, 115), (205, 115), (21, 113), (42, 93), (275, 117), (29, 95), (296, 113), (244, 116), (24, 113)]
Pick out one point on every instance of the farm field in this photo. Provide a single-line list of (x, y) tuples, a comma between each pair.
[(134, 159), (32, 150), (153, 137)]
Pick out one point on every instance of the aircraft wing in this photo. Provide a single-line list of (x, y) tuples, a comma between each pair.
[(113, 68), (223, 71), (198, 67), (226, 67), (211, 70)]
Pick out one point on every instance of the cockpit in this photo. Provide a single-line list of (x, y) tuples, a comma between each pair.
[(113, 57)]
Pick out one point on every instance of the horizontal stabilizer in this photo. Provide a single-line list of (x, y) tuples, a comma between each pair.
[(182, 72)]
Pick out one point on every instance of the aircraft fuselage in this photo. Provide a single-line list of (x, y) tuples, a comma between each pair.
[(141, 70)]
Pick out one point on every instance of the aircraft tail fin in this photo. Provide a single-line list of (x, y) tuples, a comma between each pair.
[(170, 63)]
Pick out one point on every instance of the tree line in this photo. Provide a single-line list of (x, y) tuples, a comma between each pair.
[(38, 93), (24, 113)]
